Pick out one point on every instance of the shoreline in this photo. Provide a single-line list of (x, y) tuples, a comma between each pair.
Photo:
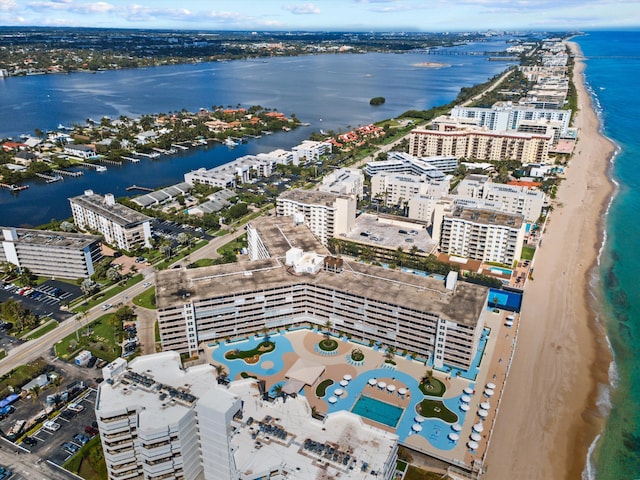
[(562, 357)]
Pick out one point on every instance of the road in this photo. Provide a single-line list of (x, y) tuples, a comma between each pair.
[(28, 465)]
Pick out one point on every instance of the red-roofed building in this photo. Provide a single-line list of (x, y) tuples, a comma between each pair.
[(13, 146), (521, 183)]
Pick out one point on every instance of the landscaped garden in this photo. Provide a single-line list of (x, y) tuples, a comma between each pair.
[(328, 344), (357, 355), (429, 385), (321, 389), (436, 409), (251, 356)]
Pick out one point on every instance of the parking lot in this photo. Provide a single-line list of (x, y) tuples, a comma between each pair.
[(45, 299), (170, 230)]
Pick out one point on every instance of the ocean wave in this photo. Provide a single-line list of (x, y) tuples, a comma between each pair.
[(589, 472)]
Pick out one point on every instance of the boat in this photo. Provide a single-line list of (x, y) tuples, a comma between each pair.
[(230, 143), (100, 168), (322, 132)]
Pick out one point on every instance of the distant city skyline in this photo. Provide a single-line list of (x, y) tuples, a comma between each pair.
[(346, 15)]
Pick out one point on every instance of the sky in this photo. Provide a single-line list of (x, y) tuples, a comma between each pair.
[(341, 15)]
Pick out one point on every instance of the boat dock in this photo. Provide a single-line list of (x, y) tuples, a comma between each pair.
[(148, 155), (180, 147), (13, 187), (131, 159), (49, 178), (138, 187), (68, 173), (99, 168)]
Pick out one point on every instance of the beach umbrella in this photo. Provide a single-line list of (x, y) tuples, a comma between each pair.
[(344, 383), (382, 384), (416, 427), (419, 418), (482, 413), (402, 391), (372, 381), (391, 388), (347, 377), (476, 437), (456, 427), (464, 407), (465, 398), (338, 391), (332, 400), (478, 428), (472, 445), (468, 390), (485, 405), (491, 385), (489, 392), (454, 437)]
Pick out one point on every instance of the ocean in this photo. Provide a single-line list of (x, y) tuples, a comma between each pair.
[(612, 69)]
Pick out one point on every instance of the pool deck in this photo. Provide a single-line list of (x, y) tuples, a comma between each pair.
[(433, 438)]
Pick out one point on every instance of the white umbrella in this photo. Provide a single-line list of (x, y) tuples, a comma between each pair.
[(338, 391), (491, 385), (465, 398), (485, 405), (472, 445), (344, 383), (482, 413), (332, 400), (456, 427), (478, 428), (476, 437), (402, 391), (489, 392), (454, 437), (391, 388), (464, 407), (372, 381), (468, 390), (346, 377), (419, 418), (382, 384), (416, 427)]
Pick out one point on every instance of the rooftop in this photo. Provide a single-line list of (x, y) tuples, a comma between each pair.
[(117, 213), (311, 197), (47, 237), (488, 217), (279, 234), (175, 286)]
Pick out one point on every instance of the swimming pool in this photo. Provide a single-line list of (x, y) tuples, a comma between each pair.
[(378, 411), (504, 271)]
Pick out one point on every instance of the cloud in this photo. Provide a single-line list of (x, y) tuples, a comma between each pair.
[(8, 5), (303, 9)]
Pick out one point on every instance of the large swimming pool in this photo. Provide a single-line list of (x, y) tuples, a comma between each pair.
[(378, 411)]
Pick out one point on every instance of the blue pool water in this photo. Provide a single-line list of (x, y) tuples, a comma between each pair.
[(506, 271), (378, 411)]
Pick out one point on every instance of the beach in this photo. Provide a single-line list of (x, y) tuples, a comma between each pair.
[(548, 417)]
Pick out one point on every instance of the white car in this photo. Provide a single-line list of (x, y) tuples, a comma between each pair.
[(146, 284), (106, 306), (76, 407), (51, 425)]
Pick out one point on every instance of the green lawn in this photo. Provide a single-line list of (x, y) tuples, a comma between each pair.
[(21, 375), (107, 294), (146, 299), (321, 389), (437, 409), (527, 253), (436, 389), (415, 473), (99, 337), (328, 344), (203, 262), (262, 348), (234, 245), (88, 462), (40, 331)]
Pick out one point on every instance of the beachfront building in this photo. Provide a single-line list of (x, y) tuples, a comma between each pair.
[(273, 237), (120, 226), (513, 199), (397, 188), (479, 234), (158, 420), (327, 215), (481, 145), (401, 162), (86, 152), (344, 181), (51, 254), (310, 151), (411, 312)]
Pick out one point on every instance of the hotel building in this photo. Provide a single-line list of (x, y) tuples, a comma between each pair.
[(120, 226), (410, 312), (51, 254), (396, 188), (326, 214), (160, 421), (485, 235), (401, 162), (481, 145)]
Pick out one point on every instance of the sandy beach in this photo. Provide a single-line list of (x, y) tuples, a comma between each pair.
[(548, 417)]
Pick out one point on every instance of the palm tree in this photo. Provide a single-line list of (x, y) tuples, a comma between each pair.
[(427, 377), (221, 371), (327, 325), (265, 332), (35, 391), (277, 389), (391, 351)]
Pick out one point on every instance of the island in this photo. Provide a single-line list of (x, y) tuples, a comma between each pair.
[(377, 101)]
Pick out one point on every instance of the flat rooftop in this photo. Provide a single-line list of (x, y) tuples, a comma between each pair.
[(464, 306), (51, 238), (310, 197), (488, 217), (384, 231), (117, 213), (279, 234)]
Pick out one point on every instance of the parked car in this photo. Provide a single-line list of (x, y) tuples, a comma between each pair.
[(75, 407), (70, 447), (81, 438), (51, 425), (29, 441), (93, 431), (92, 361)]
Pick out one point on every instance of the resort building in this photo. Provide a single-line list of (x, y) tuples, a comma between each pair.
[(326, 214), (120, 226), (396, 188), (344, 181), (485, 235), (51, 254), (214, 177), (411, 312), (401, 162), (513, 199), (309, 151), (159, 421), (481, 145)]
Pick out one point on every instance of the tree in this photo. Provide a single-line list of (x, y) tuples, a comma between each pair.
[(427, 377), (390, 353), (183, 238), (88, 287), (327, 325), (221, 371), (35, 391), (113, 275), (27, 277), (67, 227)]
